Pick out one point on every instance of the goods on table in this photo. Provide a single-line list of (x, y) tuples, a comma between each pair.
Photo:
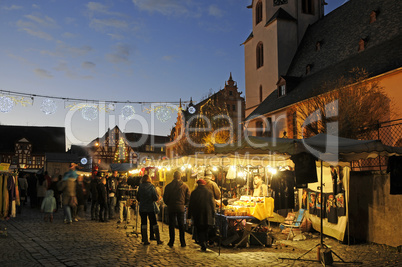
[(242, 207)]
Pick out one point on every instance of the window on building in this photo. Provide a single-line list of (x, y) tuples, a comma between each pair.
[(373, 16), (308, 68), (234, 107), (294, 124), (228, 107), (318, 46), (308, 7), (269, 128), (230, 92), (259, 128), (258, 12), (260, 55), (14, 160), (260, 93), (282, 90), (362, 44)]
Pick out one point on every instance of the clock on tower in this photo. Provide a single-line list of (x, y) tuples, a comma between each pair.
[(280, 2)]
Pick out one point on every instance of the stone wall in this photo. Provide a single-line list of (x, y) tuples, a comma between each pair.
[(374, 213)]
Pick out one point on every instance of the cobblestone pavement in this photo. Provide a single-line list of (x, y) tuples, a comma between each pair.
[(33, 242)]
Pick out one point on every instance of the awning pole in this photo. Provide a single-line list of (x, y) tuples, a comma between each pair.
[(321, 221)]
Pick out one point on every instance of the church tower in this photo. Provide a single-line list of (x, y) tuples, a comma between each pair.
[(278, 28)]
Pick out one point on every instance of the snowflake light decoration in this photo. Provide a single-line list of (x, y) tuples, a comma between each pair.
[(127, 112), (48, 106), (89, 112), (163, 113), (6, 104)]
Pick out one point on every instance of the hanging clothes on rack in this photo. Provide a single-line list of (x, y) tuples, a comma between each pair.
[(4, 208), (283, 184)]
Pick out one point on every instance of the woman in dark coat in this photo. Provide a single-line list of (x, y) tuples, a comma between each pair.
[(147, 195), (102, 199), (202, 210)]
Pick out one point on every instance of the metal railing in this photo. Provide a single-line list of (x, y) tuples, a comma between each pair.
[(389, 133)]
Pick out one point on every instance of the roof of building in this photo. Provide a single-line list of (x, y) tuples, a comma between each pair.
[(62, 157), (280, 14), (43, 139), (135, 139), (339, 33)]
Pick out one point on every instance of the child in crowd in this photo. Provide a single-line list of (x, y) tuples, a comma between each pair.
[(49, 205)]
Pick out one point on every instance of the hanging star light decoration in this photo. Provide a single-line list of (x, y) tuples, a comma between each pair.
[(89, 112), (6, 104), (48, 106), (127, 112)]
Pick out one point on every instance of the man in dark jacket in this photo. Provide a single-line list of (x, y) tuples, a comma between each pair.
[(202, 210), (94, 196), (123, 195), (176, 196)]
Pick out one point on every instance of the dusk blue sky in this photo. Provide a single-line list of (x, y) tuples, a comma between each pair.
[(119, 50)]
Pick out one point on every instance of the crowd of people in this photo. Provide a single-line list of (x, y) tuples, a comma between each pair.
[(111, 197)]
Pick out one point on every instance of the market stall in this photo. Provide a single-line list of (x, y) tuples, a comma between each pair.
[(276, 160), (328, 150)]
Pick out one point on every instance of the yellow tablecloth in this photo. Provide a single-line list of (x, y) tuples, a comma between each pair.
[(260, 211)]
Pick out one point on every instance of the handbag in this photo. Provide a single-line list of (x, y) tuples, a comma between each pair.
[(156, 208)]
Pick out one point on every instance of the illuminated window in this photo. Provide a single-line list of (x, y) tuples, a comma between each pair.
[(373, 16), (282, 90), (362, 44)]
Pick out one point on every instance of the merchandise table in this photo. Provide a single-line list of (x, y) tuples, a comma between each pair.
[(234, 224), (260, 211)]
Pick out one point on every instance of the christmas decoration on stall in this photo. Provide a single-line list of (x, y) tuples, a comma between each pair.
[(121, 154)]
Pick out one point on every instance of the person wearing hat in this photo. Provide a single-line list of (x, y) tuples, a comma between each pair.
[(211, 185), (176, 196), (202, 210), (71, 173)]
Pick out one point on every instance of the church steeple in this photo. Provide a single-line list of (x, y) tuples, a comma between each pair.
[(230, 82), (278, 28)]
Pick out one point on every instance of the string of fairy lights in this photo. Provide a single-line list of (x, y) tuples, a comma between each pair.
[(89, 108)]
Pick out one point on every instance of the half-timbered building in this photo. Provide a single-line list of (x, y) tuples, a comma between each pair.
[(118, 147), (25, 147)]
